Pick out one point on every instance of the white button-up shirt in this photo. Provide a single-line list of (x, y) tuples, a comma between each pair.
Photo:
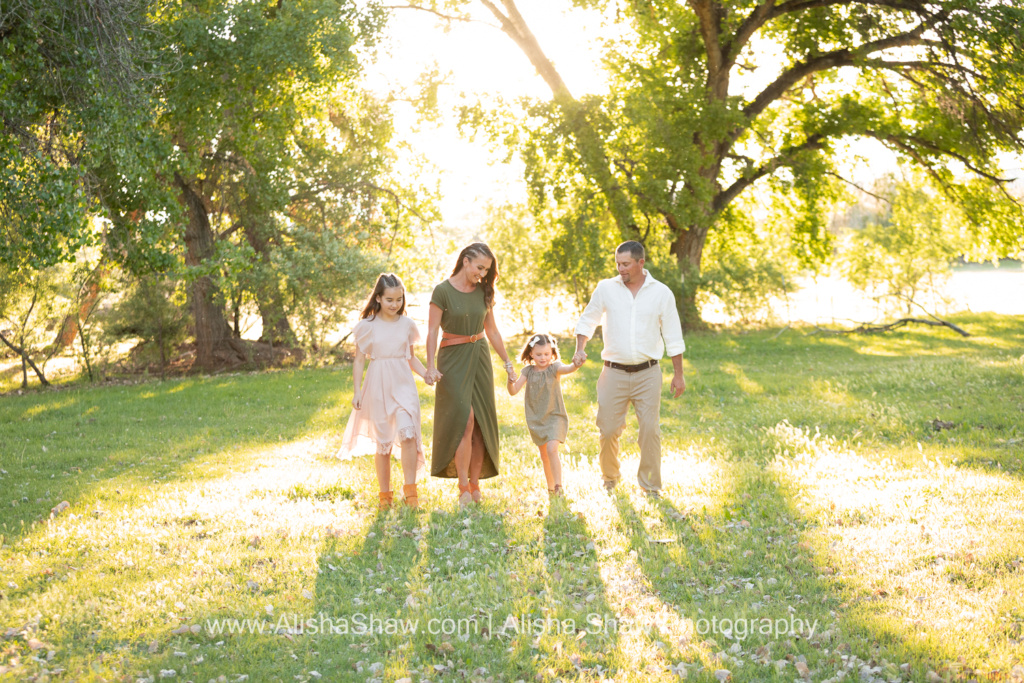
[(634, 327)]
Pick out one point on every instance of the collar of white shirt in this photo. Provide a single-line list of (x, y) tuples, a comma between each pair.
[(648, 280)]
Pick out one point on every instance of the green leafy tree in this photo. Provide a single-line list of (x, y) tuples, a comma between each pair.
[(519, 244), (710, 97), (150, 311), (74, 139), (276, 142), (906, 251), (749, 266), (32, 307)]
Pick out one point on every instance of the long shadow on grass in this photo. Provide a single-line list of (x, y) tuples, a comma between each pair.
[(361, 595), (335, 635), (429, 595), (579, 637), (753, 591), (73, 445)]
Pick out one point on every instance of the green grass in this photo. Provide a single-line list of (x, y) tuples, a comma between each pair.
[(806, 489)]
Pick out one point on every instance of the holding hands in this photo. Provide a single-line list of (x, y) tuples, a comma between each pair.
[(579, 358), (511, 370), (431, 376)]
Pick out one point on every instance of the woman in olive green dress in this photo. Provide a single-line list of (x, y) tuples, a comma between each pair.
[(465, 420)]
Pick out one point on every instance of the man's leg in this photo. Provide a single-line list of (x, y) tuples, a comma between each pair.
[(646, 397), (612, 404)]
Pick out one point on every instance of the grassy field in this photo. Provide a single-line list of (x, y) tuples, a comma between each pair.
[(836, 508)]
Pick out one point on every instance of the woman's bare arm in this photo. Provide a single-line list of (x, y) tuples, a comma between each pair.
[(431, 374)]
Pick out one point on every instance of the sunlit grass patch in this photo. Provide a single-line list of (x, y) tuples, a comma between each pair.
[(815, 523), (932, 548)]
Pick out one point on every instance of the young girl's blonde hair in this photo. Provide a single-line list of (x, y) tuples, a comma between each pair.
[(538, 340)]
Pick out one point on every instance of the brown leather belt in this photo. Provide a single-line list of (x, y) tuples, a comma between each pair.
[(631, 368), (453, 339)]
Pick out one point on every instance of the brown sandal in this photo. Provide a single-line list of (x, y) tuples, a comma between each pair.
[(465, 497), (556, 492), (411, 498), (386, 497), (474, 491)]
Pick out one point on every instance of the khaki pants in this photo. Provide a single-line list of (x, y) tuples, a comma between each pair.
[(616, 389)]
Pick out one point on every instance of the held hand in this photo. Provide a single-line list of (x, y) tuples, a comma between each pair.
[(678, 386), (579, 358)]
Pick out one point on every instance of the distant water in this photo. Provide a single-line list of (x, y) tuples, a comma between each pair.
[(828, 299)]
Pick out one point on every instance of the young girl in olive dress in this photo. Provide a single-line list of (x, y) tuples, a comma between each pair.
[(545, 410)]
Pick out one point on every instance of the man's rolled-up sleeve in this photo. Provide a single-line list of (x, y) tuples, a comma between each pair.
[(671, 328), (591, 317)]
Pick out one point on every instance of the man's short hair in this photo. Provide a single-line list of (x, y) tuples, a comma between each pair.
[(635, 249)]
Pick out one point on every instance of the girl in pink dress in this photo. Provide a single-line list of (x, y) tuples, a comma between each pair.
[(386, 407)]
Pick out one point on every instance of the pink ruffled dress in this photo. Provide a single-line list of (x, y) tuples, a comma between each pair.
[(390, 411)]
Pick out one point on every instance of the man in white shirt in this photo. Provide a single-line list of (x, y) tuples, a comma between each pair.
[(641, 324)]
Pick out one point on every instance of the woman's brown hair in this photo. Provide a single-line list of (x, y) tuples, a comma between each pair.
[(476, 250), (385, 281)]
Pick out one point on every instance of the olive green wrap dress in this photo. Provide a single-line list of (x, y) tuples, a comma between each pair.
[(467, 381)]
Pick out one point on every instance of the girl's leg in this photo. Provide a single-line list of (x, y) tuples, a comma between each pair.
[(556, 465), (382, 463), (409, 456), (546, 461)]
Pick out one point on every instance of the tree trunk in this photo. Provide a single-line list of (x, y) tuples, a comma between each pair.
[(212, 333), (277, 330), (88, 297), (688, 248), (25, 362), (589, 143)]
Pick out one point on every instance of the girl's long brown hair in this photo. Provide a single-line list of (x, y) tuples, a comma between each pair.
[(476, 250), (385, 281)]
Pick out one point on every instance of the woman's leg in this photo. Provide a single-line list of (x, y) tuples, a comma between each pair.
[(476, 462), (463, 451)]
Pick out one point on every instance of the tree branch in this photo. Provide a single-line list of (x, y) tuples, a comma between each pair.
[(829, 60), (768, 10), (514, 26), (710, 17), (442, 15), (853, 184), (723, 198), (865, 328), (228, 232), (21, 352), (904, 143), (396, 199)]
